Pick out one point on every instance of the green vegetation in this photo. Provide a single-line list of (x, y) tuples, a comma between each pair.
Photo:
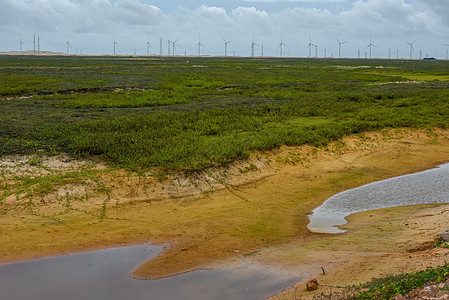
[(190, 113), (389, 286)]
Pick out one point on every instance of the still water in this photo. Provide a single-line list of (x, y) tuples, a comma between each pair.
[(431, 186), (105, 274)]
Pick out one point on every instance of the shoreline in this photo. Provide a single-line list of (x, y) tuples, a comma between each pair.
[(212, 224)]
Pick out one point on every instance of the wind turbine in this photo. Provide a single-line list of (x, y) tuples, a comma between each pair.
[(115, 44), (309, 46), (411, 48), (68, 44), (252, 47), (370, 46), (199, 45), (339, 47), (174, 46), (280, 46), (148, 46), (447, 45), (226, 46), (21, 43)]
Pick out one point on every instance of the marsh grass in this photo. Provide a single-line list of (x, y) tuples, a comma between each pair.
[(190, 115)]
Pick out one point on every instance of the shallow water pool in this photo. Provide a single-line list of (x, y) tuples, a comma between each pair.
[(431, 186), (105, 274)]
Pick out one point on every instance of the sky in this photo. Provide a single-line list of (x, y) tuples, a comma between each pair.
[(249, 26)]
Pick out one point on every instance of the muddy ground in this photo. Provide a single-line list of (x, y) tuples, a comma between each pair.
[(250, 211)]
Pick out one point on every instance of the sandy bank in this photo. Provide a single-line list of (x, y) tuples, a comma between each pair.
[(226, 214)]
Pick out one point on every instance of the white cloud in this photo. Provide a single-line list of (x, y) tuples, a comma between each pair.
[(252, 21), (133, 12)]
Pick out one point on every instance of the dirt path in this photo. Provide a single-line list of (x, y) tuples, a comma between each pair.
[(222, 215)]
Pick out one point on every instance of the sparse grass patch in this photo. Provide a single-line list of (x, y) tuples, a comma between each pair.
[(386, 287)]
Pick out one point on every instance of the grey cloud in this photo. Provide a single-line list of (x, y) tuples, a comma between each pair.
[(101, 19)]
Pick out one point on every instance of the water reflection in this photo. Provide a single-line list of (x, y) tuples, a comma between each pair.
[(105, 275), (431, 186)]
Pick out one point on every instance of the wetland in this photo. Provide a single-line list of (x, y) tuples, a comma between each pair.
[(225, 162)]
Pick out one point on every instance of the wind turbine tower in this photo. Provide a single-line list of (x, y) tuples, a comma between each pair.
[(280, 46), (370, 46), (68, 44), (253, 44), (21, 43), (411, 48), (148, 46), (174, 46), (309, 46), (339, 47), (226, 46), (199, 45), (115, 44)]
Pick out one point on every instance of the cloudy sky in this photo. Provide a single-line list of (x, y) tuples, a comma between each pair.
[(92, 25)]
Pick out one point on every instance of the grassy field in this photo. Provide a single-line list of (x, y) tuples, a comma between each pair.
[(187, 114)]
